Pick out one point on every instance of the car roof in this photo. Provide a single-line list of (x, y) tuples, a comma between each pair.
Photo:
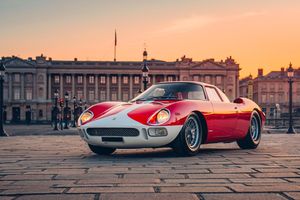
[(192, 82)]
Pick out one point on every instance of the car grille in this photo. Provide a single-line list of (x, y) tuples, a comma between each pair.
[(126, 132)]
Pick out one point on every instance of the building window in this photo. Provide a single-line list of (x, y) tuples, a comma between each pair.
[(136, 80), (170, 78), (91, 79), (263, 98), (40, 113), (91, 95), (68, 79), (79, 94), (102, 79), (17, 78), (207, 79), (56, 79), (125, 96), (114, 80), (114, 96), (219, 79), (28, 77), (280, 86), (16, 93), (125, 79), (102, 95), (281, 98), (28, 94), (272, 99), (79, 79), (196, 78)]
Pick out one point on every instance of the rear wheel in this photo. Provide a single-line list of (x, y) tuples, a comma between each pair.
[(189, 139), (101, 150), (252, 139)]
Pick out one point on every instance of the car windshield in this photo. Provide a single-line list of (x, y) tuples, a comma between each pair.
[(172, 91)]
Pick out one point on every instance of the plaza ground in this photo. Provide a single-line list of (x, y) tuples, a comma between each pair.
[(62, 167)]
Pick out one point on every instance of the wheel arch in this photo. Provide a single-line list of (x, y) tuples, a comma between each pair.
[(205, 129)]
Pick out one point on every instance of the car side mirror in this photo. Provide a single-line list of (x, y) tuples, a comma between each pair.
[(238, 100)]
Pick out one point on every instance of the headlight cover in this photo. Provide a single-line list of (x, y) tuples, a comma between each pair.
[(85, 117), (160, 117)]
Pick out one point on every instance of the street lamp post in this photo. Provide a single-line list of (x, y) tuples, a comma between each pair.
[(2, 74), (55, 110), (61, 102), (66, 111), (74, 110), (290, 74), (145, 70)]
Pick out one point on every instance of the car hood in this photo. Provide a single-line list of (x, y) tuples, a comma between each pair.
[(139, 111)]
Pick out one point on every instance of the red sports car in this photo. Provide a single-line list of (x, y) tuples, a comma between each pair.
[(181, 115)]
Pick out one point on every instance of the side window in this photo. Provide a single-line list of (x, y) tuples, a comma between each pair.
[(213, 94)]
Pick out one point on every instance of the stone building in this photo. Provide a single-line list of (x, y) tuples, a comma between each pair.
[(271, 91), (30, 83)]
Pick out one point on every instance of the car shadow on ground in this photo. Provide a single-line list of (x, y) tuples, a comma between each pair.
[(160, 153)]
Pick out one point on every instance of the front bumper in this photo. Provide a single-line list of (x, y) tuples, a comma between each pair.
[(140, 141)]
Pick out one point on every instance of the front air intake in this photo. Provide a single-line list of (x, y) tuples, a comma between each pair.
[(119, 132)]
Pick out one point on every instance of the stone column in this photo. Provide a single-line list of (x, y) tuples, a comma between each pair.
[(119, 87), (84, 87), (49, 87), (153, 79), (10, 82), (165, 78), (22, 86), (130, 87), (34, 92), (73, 85), (96, 88), (61, 82), (107, 87)]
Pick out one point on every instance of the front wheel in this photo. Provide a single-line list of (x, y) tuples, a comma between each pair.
[(189, 139), (101, 150), (252, 139)]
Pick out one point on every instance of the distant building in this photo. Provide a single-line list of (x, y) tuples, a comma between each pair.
[(30, 83), (271, 91)]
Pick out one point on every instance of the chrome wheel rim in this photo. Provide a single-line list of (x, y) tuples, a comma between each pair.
[(254, 129), (192, 137)]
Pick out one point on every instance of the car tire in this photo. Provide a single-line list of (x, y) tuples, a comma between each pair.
[(252, 139), (189, 139), (101, 150)]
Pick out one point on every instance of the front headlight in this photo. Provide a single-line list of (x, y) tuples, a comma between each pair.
[(86, 116), (160, 117)]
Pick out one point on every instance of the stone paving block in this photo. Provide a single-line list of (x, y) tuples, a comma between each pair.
[(111, 190), (58, 197), (163, 176), (277, 175), (117, 180), (194, 189), (294, 195), (149, 196), (7, 197), (196, 181), (258, 180), (32, 190), (27, 177), (213, 176), (267, 188), (262, 196)]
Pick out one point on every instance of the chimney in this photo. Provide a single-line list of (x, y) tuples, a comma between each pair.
[(260, 72), (282, 71)]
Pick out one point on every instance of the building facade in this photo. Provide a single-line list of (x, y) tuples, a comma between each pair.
[(271, 91), (30, 83)]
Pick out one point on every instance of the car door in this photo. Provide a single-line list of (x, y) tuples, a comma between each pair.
[(225, 115)]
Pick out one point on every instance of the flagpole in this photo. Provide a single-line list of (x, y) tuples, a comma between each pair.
[(115, 47)]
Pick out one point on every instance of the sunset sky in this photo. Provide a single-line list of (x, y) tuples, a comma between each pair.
[(257, 33)]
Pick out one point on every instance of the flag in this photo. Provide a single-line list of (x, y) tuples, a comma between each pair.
[(115, 38)]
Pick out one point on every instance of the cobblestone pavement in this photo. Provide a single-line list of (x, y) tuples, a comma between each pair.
[(62, 167)]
